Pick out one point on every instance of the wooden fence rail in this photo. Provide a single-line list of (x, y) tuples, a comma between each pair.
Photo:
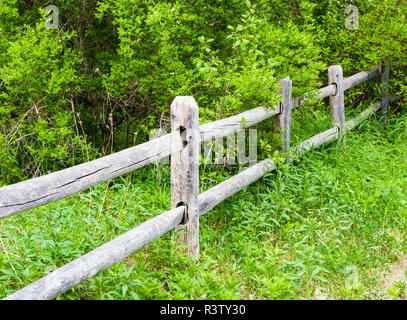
[(36, 192), (33, 193), (183, 145)]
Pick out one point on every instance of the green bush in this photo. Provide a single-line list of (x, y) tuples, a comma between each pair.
[(107, 76)]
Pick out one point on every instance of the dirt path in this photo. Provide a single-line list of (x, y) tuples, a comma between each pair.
[(386, 280), (396, 273)]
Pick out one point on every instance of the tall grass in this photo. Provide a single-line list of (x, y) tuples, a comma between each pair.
[(328, 224)]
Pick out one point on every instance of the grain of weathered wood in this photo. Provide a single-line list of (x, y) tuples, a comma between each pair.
[(326, 92), (282, 122), (99, 259), (360, 77), (185, 171), (337, 101), (39, 191)]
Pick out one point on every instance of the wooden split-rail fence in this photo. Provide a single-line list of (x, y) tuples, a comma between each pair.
[(183, 144)]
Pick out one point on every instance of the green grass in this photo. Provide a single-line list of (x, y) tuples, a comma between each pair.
[(329, 224)]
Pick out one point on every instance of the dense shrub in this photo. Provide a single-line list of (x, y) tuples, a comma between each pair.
[(107, 76)]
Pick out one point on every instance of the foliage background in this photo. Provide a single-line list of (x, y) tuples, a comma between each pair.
[(107, 76)]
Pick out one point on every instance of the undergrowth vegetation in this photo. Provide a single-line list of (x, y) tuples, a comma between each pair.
[(325, 226), (107, 76)]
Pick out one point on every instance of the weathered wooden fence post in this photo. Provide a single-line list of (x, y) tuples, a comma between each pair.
[(337, 101), (185, 171), (282, 122), (384, 88)]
